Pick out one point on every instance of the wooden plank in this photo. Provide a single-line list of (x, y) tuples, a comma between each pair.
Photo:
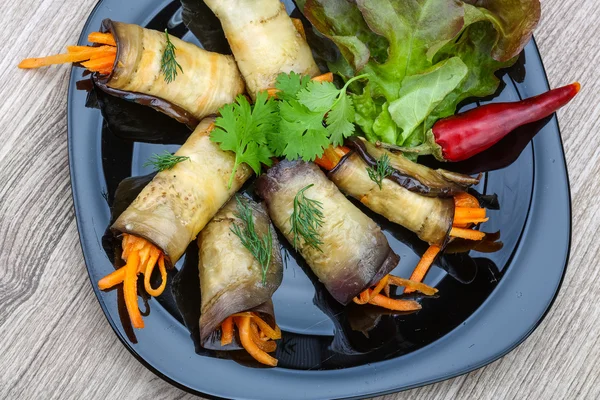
[(56, 342)]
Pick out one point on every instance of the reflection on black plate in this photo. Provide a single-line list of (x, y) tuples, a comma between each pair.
[(487, 303)]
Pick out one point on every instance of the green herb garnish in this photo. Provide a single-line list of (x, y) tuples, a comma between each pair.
[(260, 248), (244, 129), (382, 170), (306, 219), (168, 63), (165, 161), (313, 115)]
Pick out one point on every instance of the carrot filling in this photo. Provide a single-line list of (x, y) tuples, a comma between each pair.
[(99, 57), (467, 213), (141, 257), (374, 295), (256, 336)]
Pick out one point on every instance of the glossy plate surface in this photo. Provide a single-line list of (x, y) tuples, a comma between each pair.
[(487, 305)]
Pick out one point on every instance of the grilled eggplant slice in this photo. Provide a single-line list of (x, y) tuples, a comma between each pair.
[(354, 253), (179, 202), (263, 40), (205, 82), (429, 217), (231, 279)]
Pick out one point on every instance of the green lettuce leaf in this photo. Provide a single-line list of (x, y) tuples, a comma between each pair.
[(421, 93), (438, 53)]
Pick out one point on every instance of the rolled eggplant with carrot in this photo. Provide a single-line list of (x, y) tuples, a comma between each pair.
[(264, 40), (240, 268), (155, 69), (344, 248), (171, 210)]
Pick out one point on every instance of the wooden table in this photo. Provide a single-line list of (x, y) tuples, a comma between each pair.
[(54, 340)]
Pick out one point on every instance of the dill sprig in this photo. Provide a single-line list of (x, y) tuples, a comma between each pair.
[(260, 248), (306, 219), (162, 162), (382, 170), (168, 63)]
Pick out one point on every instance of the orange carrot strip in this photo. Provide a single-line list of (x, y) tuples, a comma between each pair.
[(464, 199), (227, 331), (299, 27), (243, 314), (423, 266), (112, 279), (466, 233), (100, 63), (394, 304), (362, 298), (326, 77), (67, 58), (130, 291), (407, 283), (325, 163), (268, 346), (380, 285), (156, 256), (243, 324), (464, 222), (102, 38), (266, 328), (469, 212)]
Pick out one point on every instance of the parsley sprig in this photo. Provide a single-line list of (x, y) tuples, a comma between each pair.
[(168, 63), (306, 218), (261, 248), (165, 161), (313, 115), (244, 129), (382, 170)]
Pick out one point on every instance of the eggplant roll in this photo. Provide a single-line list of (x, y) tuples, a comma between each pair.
[(429, 217), (205, 82), (263, 40), (231, 279), (354, 253), (415, 177), (173, 208)]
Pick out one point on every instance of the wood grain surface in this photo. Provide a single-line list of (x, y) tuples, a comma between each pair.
[(54, 339)]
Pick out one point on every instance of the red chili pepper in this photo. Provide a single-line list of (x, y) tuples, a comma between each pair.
[(466, 134)]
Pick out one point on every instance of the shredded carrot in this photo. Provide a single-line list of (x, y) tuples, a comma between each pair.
[(266, 328), (145, 256), (299, 27), (331, 157), (112, 279), (423, 266), (227, 331), (374, 296), (130, 291), (265, 345), (469, 234), (244, 330), (102, 38), (325, 163), (407, 283), (469, 212), (326, 77), (95, 58), (394, 304), (464, 199), (100, 64)]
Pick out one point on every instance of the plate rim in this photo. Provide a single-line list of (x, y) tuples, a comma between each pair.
[(457, 372)]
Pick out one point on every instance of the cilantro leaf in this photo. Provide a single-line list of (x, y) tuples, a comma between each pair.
[(244, 129), (302, 132), (318, 96), (290, 85), (340, 120)]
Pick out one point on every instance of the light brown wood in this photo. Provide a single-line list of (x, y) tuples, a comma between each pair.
[(54, 339)]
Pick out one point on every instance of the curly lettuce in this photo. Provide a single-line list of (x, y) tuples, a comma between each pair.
[(422, 57)]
